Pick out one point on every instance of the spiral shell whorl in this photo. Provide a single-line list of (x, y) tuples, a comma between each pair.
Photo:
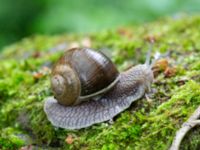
[(65, 85), (57, 84)]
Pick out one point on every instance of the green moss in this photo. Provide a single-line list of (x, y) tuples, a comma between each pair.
[(143, 126), (10, 139)]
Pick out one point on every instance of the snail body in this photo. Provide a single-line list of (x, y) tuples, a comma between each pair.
[(115, 96)]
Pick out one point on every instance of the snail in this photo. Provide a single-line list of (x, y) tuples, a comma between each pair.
[(88, 88)]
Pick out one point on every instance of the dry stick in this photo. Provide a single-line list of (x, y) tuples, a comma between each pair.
[(191, 122)]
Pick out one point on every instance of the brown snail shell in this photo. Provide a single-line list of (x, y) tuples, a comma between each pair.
[(80, 74)]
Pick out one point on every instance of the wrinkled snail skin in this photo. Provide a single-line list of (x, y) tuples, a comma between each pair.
[(131, 86)]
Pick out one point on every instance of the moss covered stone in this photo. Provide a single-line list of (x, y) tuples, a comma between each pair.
[(24, 84)]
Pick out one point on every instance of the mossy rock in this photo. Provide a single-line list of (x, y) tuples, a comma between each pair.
[(24, 84)]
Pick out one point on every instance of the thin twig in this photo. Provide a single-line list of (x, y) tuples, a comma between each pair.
[(191, 122)]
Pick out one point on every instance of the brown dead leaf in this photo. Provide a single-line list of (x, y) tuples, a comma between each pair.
[(170, 71), (37, 75), (69, 139), (160, 66), (125, 32), (41, 73)]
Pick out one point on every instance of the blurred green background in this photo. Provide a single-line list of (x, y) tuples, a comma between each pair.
[(22, 18)]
